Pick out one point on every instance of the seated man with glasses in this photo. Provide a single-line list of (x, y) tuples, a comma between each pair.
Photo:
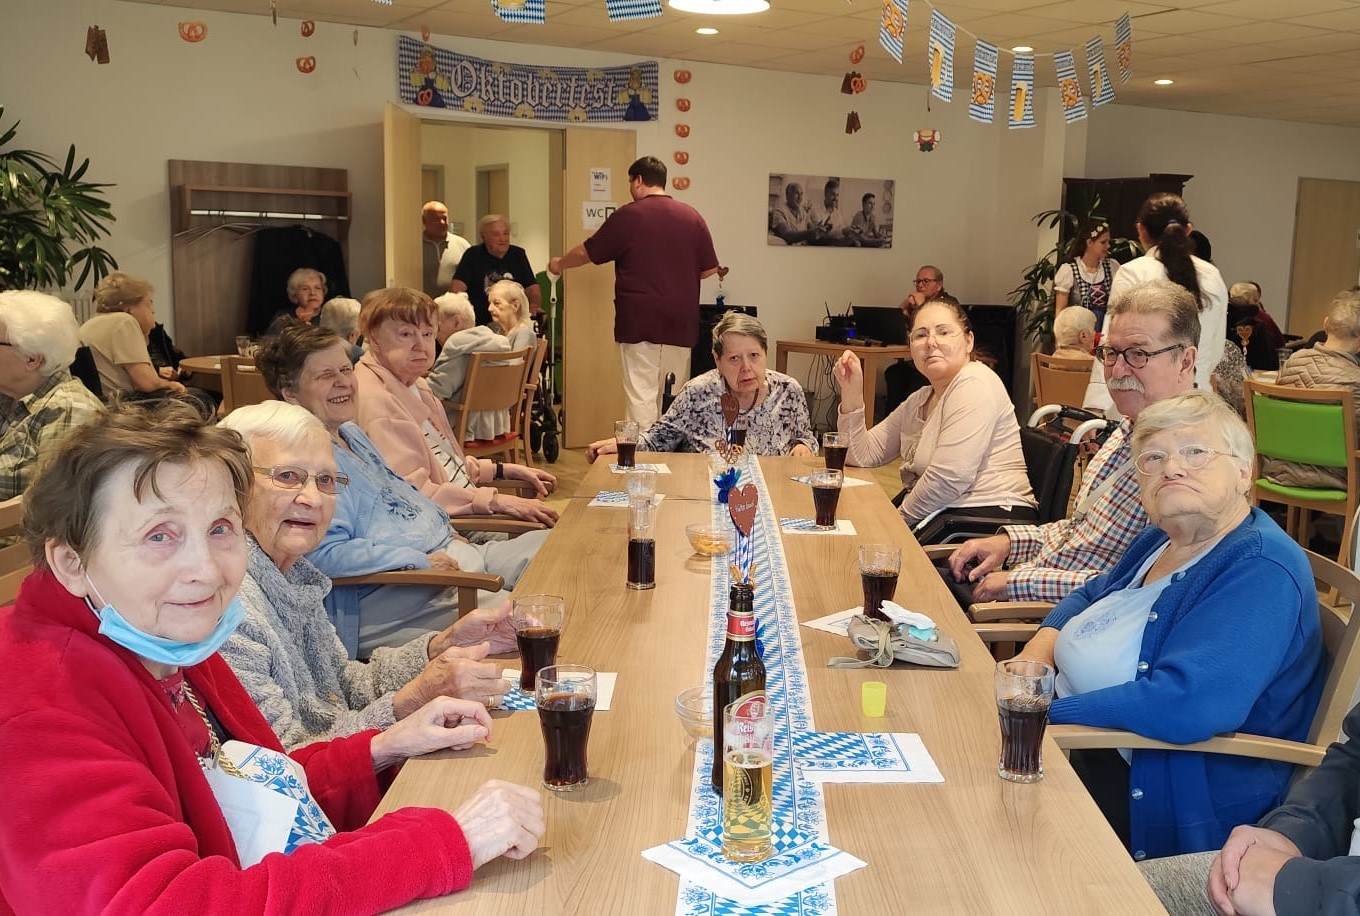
[(1207, 624), (903, 377), (1148, 355)]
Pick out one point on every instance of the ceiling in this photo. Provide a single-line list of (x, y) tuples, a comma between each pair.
[(1289, 59)]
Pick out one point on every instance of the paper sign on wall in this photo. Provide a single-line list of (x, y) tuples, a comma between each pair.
[(594, 213), (600, 184)]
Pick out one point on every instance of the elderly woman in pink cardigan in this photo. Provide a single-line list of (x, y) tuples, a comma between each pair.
[(958, 437)]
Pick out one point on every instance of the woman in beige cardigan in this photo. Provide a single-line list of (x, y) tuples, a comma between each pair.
[(958, 438)]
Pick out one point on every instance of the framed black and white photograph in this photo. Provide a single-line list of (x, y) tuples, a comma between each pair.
[(828, 210)]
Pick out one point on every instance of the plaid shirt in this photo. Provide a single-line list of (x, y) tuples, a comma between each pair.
[(1048, 562), (33, 425)]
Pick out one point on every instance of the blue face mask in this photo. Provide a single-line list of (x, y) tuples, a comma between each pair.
[(158, 649)]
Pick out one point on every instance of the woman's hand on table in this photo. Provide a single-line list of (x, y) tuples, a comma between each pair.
[(483, 624), (601, 447), (458, 671), (850, 376), (801, 451), (501, 819), (529, 510), (443, 723)]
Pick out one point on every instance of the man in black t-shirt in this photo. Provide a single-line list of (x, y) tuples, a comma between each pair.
[(493, 260)]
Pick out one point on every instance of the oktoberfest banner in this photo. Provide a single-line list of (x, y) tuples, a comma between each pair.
[(1123, 47), (1022, 93), (941, 56), (632, 9), (1069, 89), (439, 78), (982, 105), (1102, 90), (892, 27), (531, 11)]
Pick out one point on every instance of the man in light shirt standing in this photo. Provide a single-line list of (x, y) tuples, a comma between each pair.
[(441, 250)]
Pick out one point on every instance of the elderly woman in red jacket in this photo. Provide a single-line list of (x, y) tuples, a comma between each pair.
[(135, 765)]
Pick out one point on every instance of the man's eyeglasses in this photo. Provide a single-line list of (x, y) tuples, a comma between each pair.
[(291, 478), (922, 281), (1152, 462), (1135, 357)]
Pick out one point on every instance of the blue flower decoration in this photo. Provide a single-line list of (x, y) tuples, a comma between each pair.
[(727, 482)]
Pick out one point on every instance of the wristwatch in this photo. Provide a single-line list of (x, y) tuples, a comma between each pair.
[(500, 470)]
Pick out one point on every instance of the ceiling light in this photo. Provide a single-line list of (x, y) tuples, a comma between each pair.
[(706, 30), (1163, 82), (1022, 49), (720, 7)]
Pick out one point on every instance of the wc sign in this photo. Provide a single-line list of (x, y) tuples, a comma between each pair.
[(595, 212)]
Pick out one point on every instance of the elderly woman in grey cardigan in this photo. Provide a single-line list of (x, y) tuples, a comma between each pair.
[(286, 652)]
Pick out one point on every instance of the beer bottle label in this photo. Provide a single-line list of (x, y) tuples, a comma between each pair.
[(749, 704), (741, 627)]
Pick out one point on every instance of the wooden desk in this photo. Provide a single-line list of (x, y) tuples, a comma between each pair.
[(872, 357), (974, 844), (207, 372)]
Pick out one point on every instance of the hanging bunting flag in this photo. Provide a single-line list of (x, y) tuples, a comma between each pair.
[(892, 27), (1102, 90), (531, 11), (982, 106), (941, 56), (1069, 90), (1022, 93), (632, 9), (1123, 47)]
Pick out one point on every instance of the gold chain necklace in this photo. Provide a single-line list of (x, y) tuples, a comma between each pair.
[(215, 755)]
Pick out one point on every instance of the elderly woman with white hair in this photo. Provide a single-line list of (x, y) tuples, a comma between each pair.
[(510, 312), (286, 650), (340, 316), (306, 292), (1207, 625), (459, 336), (40, 402), (1074, 332)]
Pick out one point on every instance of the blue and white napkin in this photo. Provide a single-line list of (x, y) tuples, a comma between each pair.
[(822, 757), (809, 526), (700, 861), (659, 468), (516, 699), (618, 499)]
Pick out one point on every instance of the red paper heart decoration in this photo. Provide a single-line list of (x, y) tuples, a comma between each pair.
[(193, 32), (682, 130), (682, 76), (857, 55), (681, 157), (308, 28), (682, 104), (680, 184), (306, 64), (741, 505)]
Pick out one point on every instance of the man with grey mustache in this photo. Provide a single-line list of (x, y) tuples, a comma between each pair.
[(1148, 355)]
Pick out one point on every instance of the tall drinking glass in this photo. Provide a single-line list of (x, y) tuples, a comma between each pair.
[(826, 492), (626, 438), (748, 751), (834, 447), (879, 565), (1024, 691), (565, 696), (641, 545), (641, 485), (537, 620)]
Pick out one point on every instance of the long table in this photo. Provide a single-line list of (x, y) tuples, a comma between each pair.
[(974, 844)]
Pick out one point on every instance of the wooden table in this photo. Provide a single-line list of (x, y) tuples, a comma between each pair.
[(872, 357), (974, 844), (207, 371)]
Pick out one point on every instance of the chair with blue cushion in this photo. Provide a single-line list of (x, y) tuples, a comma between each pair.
[(1310, 426)]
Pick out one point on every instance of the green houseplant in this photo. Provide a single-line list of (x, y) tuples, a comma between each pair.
[(1033, 299), (50, 219)]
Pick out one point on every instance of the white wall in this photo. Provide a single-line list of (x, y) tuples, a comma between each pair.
[(1246, 179)]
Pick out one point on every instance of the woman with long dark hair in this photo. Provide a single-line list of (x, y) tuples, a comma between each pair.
[(1164, 227)]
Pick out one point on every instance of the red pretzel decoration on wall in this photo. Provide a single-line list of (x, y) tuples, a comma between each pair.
[(308, 27), (682, 131), (193, 32), (306, 64)]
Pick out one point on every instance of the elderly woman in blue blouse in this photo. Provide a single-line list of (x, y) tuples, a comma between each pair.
[(741, 393), (1208, 625)]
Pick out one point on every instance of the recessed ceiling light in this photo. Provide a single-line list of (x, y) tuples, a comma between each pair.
[(706, 30), (720, 7), (1163, 82), (1022, 49)]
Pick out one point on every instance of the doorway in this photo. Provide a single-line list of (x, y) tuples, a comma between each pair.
[(1326, 249), (493, 190)]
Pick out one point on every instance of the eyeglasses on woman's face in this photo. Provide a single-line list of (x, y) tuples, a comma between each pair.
[(945, 333), (1152, 462), (1135, 357), (288, 477)]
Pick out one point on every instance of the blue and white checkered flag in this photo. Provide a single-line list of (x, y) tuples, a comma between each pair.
[(940, 56), (892, 27), (982, 104), (1102, 90), (1069, 88), (531, 11), (632, 9), (1022, 93), (1123, 47)]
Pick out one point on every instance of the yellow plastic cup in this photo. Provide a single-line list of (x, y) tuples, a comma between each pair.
[(873, 698)]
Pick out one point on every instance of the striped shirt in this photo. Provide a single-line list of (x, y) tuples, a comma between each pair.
[(1048, 562)]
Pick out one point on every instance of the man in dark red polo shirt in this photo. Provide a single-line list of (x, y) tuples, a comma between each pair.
[(661, 249)]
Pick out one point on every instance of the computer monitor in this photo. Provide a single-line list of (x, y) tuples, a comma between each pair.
[(885, 323)]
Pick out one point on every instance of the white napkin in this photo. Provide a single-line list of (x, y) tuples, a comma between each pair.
[(837, 624), (823, 863), (604, 688), (823, 757), (809, 526), (898, 614), (659, 468)]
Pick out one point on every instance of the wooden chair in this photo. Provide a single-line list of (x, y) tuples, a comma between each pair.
[(522, 419), (1059, 379), (15, 560), (495, 381), (1313, 426), (242, 384), (1340, 629)]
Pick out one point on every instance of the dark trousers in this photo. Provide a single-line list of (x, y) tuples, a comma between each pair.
[(1106, 776)]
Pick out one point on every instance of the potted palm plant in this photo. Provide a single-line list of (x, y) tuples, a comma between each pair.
[(51, 219)]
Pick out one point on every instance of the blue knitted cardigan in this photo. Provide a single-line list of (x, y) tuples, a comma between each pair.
[(1233, 644)]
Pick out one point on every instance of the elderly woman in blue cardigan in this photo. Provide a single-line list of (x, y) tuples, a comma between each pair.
[(1208, 625)]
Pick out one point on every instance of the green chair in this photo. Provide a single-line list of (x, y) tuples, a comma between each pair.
[(1311, 426)]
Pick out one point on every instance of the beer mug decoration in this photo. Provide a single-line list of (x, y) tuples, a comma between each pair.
[(748, 806)]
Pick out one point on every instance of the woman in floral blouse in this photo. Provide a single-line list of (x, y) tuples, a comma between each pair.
[(740, 394)]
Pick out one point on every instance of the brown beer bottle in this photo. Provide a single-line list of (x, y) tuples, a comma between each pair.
[(739, 672)]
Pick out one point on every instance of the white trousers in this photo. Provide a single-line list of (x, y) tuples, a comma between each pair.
[(645, 367)]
